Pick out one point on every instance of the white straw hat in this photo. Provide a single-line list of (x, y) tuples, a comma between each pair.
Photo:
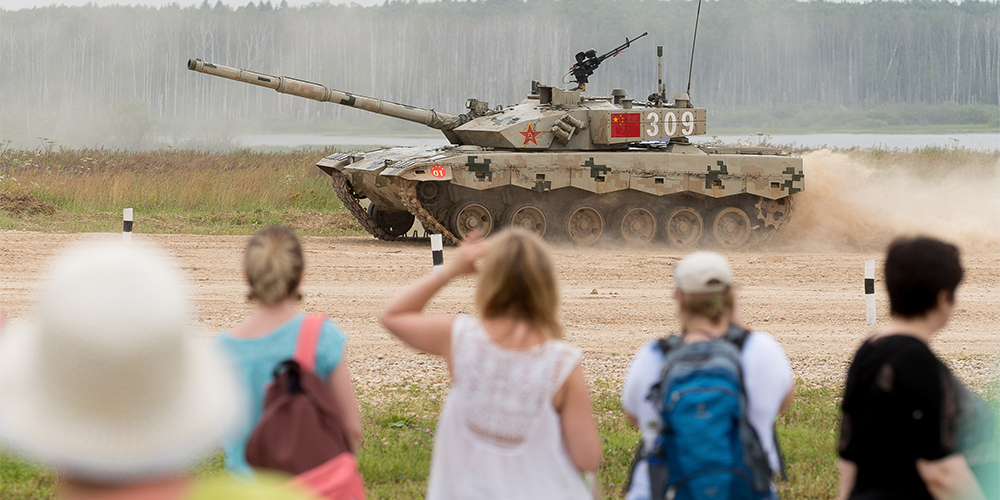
[(703, 272), (106, 381)]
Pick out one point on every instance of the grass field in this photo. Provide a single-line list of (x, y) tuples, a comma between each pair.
[(240, 191), (399, 435), (171, 191)]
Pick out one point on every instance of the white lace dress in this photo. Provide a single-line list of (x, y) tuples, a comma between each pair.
[(498, 435)]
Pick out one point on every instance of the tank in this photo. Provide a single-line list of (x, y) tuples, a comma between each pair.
[(561, 164)]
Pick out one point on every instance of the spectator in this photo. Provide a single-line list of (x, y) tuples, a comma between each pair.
[(106, 383), (707, 309), (910, 429), (273, 266), (518, 421)]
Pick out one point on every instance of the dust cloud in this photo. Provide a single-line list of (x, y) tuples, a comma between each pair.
[(848, 205)]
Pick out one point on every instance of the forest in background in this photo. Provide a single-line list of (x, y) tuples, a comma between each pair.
[(116, 76)]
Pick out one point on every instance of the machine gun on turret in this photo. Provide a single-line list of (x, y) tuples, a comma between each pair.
[(587, 62)]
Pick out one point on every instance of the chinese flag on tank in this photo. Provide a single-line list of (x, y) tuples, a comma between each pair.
[(625, 125)]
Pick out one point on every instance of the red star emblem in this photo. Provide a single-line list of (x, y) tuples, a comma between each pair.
[(530, 135)]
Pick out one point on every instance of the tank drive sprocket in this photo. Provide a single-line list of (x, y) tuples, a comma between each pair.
[(408, 194)]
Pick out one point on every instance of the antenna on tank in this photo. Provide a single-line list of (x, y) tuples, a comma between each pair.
[(693, 40), (660, 88), (660, 96)]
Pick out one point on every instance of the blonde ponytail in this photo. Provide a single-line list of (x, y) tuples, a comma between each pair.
[(273, 264)]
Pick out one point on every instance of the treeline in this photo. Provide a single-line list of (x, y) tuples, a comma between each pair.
[(120, 71)]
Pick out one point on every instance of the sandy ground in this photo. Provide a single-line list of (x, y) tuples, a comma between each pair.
[(614, 300)]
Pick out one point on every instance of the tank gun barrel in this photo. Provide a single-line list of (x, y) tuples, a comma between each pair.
[(318, 92)]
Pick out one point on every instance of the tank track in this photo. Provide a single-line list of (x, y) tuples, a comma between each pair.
[(408, 194), (350, 201)]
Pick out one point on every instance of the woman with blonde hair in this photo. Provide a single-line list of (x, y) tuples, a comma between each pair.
[(517, 422), (273, 265)]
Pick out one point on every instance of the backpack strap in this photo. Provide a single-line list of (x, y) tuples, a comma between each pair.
[(305, 346), (737, 335), (783, 473), (639, 456), (667, 343)]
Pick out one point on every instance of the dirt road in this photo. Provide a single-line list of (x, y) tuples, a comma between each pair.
[(614, 300)]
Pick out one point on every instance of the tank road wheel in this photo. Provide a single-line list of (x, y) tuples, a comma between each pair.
[(638, 227), (470, 217), (395, 224), (528, 217), (585, 226), (684, 227), (731, 228)]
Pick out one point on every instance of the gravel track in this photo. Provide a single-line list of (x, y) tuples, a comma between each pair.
[(614, 300)]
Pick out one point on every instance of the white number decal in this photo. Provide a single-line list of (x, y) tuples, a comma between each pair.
[(654, 129), (670, 124), (688, 120)]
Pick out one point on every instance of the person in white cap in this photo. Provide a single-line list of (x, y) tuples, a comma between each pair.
[(706, 309), (106, 384)]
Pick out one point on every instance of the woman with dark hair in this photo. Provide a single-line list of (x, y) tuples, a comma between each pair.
[(517, 422), (910, 429)]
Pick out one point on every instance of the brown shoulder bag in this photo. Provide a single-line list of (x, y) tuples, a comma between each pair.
[(301, 425)]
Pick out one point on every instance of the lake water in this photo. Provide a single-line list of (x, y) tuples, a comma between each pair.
[(298, 140), (980, 142), (976, 141)]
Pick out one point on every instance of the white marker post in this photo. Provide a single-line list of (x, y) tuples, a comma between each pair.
[(870, 291), (437, 252), (127, 225)]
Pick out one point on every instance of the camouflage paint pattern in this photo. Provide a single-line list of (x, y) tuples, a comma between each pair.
[(767, 173)]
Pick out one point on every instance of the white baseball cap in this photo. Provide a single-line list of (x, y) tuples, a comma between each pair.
[(703, 272)]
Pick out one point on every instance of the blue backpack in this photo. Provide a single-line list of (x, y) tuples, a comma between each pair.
[(706, 448)]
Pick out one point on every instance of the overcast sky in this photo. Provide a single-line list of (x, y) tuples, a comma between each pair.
[(27, 4)]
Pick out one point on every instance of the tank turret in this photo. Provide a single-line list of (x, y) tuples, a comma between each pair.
[(559, 163), (550, 118)]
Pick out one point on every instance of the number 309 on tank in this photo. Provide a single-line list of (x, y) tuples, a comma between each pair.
[(650, 124)]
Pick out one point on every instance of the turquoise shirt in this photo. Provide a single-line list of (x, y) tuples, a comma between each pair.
[(255, 360)]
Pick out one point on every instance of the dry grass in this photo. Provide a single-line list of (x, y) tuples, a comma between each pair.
[(82, 180), (171, 191), (932, 160)]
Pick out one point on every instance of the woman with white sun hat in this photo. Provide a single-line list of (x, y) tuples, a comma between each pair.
[(106, 383)]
